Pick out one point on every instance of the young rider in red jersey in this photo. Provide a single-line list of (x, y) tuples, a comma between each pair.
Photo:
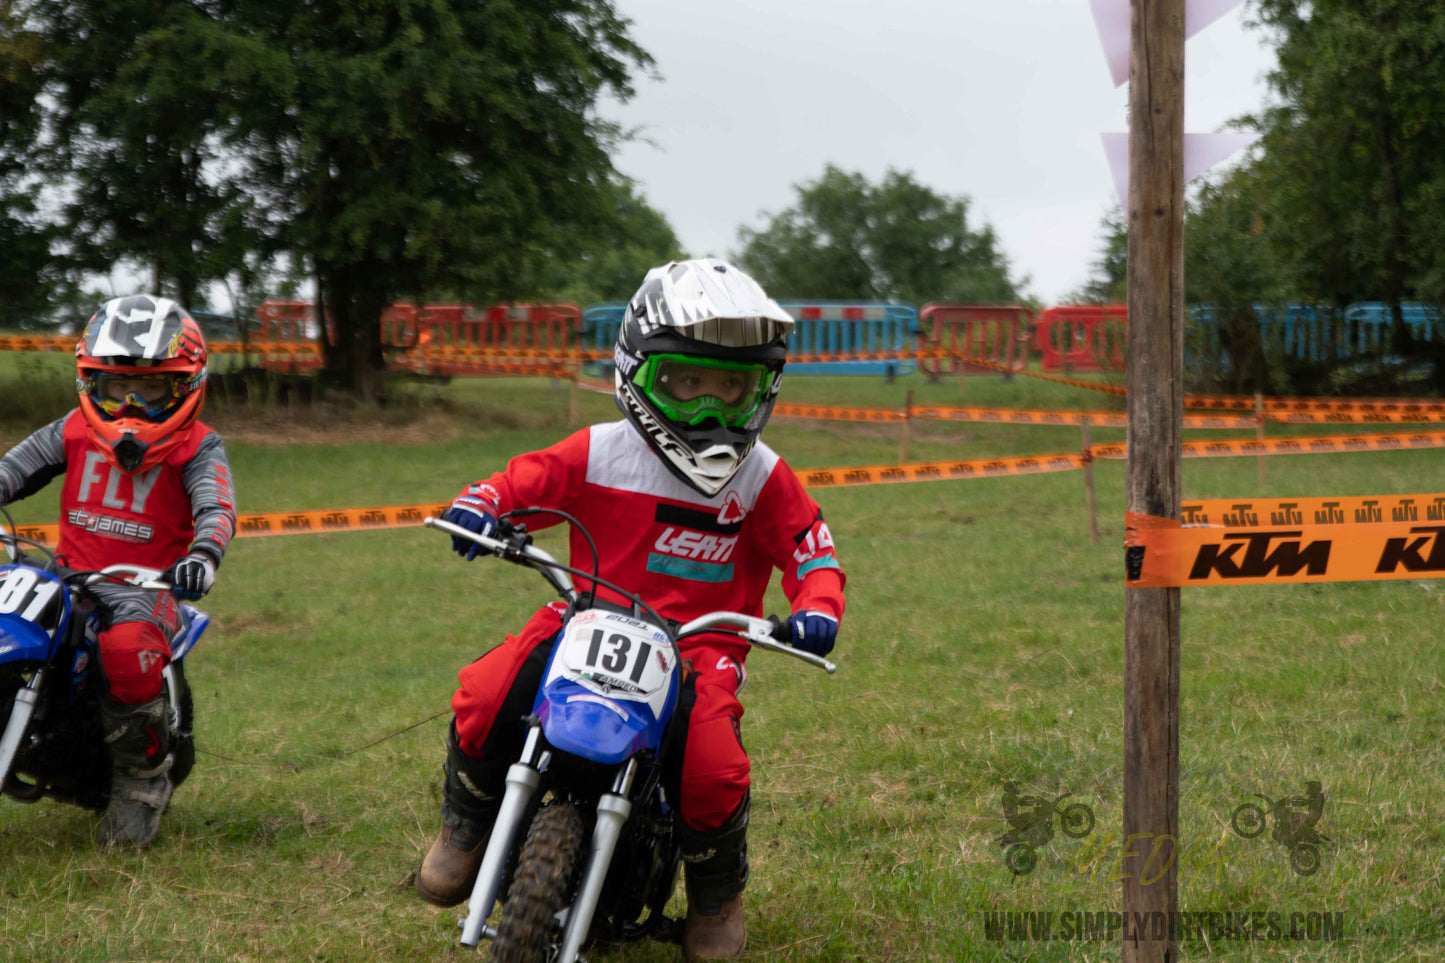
[(145, 484), (686, 504)]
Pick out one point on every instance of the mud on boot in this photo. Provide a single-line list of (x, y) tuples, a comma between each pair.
[(716, 872), (449, 869), (140, 784)]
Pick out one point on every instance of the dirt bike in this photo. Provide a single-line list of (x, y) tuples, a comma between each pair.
[(1023, 841), (52, 744), (1303, 843), (582, 846)]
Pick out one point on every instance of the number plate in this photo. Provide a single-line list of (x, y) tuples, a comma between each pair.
[(617, 653), (27, 592)]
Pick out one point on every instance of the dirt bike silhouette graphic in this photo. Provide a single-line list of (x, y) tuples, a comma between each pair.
[(1032, 827), (1294, 818)]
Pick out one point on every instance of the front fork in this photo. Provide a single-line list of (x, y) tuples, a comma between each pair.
[(523, 778), (20, 715)]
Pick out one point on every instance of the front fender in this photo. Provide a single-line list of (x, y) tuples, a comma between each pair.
[(22, 641)]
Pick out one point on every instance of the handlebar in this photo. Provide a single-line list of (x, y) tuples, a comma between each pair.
[(771, 633)]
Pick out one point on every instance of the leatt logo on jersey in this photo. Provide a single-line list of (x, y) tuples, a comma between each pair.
[(685, 544), (110, 527), (732, 510)]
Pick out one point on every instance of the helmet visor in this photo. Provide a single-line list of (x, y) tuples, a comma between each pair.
[(692, 390), (152, 395)]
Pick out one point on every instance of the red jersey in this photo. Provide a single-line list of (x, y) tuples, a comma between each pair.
[(110, 516), (685, 554)]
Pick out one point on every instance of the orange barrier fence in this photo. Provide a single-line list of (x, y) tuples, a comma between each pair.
[(995, 333)]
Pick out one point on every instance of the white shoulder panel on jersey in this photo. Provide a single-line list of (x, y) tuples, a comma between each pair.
[(617, 457)]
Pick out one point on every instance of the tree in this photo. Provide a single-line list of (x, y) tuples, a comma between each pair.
[(610, 266), (1109, 283), (423, 145), (899, 240), (136, 118), (27, 284), (1354, 152)]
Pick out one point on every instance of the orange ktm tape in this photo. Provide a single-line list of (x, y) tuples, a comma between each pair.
[(1160, 553), (942, 470), (1359, 416), (1342, 510), (1307, 445), (294, 523), (840, 413), (1402, 406)]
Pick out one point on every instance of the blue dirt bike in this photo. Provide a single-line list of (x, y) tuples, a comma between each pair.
[(582, 846), (52, 743)]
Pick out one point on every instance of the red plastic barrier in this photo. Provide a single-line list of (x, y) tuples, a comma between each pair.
[(286, 320), (996, 333), (406, 326), (1082, 338), (552, 326)]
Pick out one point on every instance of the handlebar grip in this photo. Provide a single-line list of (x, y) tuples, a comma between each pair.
[(782, 631)]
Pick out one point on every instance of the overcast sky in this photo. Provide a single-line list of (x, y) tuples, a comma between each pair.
[(1001, 101)]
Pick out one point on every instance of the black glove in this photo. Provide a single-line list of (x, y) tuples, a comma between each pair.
[(191, 577)]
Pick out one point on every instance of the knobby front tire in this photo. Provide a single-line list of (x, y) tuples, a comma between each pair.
[(543, 879)]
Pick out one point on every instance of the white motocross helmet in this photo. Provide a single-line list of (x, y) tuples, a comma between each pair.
[(700, 359)]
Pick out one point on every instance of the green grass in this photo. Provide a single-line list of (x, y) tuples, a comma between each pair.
[(983, 643)]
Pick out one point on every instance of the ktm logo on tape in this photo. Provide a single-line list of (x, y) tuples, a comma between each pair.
[(1264, 554), (1407, 552)]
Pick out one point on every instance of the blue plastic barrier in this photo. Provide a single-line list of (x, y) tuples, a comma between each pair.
[(1368, 322), (851, 327), (824, 327), (1304, 329)]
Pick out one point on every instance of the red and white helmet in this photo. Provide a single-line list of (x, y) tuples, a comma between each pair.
[(140, 369)]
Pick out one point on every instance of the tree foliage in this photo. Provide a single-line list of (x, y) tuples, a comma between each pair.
[(610, 267), (430, 144), (897, 240), (27, 284), (1109, 281), (394, 149), (1344, 199)]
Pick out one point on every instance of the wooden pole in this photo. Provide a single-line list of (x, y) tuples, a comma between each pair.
[(907, 424), (1089, 485), (1156, 409), (1259, 433)]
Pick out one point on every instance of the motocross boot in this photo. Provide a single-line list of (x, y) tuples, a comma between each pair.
[(139, 737), (716, 871), (471, 797)]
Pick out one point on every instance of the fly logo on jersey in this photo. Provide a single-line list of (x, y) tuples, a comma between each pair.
[(116, 482)]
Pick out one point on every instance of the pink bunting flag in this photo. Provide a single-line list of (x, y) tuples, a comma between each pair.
[(1111, 17)]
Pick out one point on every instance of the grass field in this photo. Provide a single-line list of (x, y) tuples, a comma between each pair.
[(983, 643)]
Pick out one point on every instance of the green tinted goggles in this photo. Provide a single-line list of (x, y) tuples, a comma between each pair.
[(692, 390)]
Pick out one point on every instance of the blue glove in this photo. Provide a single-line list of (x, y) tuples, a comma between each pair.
[(813, 631), (191, 577), (475, 513)]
